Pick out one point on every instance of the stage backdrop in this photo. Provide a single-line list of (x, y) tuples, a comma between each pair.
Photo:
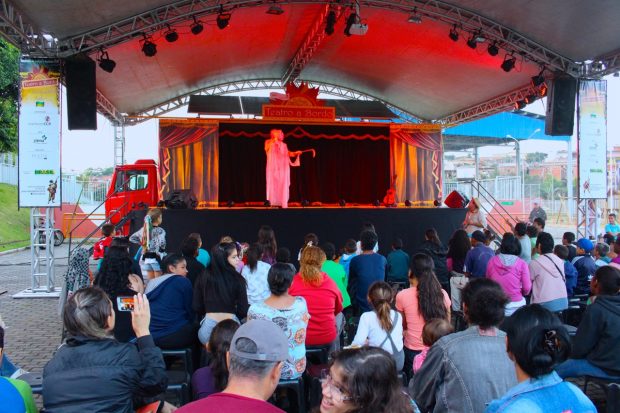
[(354, 162)]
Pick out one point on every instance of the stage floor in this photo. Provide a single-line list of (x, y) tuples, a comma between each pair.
[(333, 224)]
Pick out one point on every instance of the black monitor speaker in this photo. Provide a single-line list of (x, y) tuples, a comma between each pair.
[(81, 86), (561, 106), (181, 199)]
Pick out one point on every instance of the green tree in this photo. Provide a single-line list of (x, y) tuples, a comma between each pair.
[(535, 157), (9, 90)]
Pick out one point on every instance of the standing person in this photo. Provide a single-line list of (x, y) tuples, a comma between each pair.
[(466, 370), (475, 219), (520, 232), (289, 313), (532, 232), (267, 240), (612, 227), (536, 341), (322, 297), (255, 274), (220, 293), (570, 273), (104, 242), (383, 326), (257, 351), (278, 175), (364, 270), (567, 240), (152, 239), (511, 272), (537, 212), (92, 372), (350, 251), (189, 249), (548, 277), (423, 301), (433, 247), (397, 263), (585, 265), (335, 272), (458, 246), (539, 223)]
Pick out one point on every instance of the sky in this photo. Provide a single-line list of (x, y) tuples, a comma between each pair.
[(95, 149)]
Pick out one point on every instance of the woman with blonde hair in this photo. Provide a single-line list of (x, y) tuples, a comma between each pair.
[(322, 296)]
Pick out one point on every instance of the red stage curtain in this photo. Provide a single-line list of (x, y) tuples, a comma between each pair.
[(416, 161), (189, 159)]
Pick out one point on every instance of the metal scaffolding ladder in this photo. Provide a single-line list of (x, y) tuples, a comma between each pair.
[(41, 255)]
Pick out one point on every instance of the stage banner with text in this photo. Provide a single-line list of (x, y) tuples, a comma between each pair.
[(39, 134), (592, 139)]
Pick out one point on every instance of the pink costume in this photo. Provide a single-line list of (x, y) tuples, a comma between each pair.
[(278, 169)]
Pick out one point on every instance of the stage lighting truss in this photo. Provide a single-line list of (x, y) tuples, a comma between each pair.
[(105, 63), (148, 47)]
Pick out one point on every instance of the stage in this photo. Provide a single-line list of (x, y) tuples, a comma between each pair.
[(333, 224)]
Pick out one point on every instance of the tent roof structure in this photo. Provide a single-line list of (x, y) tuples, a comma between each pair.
[(415, 68)]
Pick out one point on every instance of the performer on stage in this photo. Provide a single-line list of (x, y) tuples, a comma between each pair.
[(278, 168)]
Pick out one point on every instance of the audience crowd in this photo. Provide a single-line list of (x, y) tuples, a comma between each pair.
[(460, 326)]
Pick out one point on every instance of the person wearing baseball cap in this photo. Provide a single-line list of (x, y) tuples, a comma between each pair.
[(585, 265), (255, 358)]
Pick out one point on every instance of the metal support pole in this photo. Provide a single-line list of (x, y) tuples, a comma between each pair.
[(119, 144), (569, 179), (476, 166)]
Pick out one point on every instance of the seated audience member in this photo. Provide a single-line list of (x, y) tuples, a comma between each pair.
[(477, 258), (93, 372), (458, 247), (221, 292), (585, 265), (567, 240), (257, 351), (423, 301), (363, 380), (335, 272), (310, 239), (612, 227), (189, 249), (283, 255), (382, 327), (432, 331), (539, 223), (367, 226), (466, 370), (520, 232), (269, 246), (595, 346), (289, 313), (104, 242), (511, 272), (15, 395), (322, 297), (570, 272), (350, 251), (532, 232), (214, 376), (536, 342), (397, 263), (611, 241), (600, 254), (203, 256), (547, 275), (255, 273), (170, 297), (433, 247), (364, 270), (117, 280), (616, 260)]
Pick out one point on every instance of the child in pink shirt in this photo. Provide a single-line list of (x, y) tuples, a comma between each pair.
[(432, 331)]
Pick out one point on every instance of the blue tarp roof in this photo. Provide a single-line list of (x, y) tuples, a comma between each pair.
[(520, 125)]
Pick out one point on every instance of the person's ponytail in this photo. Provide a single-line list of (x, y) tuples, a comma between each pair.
[(381, 296)]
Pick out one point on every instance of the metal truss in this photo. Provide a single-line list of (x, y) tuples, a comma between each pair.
[(491, 106), (16, 29), (107, 109)]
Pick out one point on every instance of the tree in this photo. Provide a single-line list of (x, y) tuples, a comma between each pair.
[(535, 157), (9, 90)]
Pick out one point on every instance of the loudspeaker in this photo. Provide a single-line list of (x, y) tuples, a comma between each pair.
[(81, 86), (181, 199), (561, 106), (456, 199)]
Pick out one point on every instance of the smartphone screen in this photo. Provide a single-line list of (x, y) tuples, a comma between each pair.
[(124, 303)]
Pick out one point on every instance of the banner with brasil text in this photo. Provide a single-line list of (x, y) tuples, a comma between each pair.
[(39, 134)]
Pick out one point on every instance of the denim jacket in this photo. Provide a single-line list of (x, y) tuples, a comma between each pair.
[(547, 393), (463, 372)]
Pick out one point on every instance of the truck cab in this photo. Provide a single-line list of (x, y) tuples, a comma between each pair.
[(133, 187)]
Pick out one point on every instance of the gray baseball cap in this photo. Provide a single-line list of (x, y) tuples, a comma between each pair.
[(271, 342)]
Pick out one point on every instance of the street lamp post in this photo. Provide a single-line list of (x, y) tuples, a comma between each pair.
[(518, 156)]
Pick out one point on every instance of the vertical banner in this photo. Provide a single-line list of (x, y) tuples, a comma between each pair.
[(39, 134), (592, 139)]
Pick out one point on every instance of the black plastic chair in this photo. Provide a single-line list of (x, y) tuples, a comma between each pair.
[(184, 354), (179, 385), (35, 380), (318, 354), (296, 386), (613, 398)]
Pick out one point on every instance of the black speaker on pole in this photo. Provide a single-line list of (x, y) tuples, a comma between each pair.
[(81, 86), (181, 199), (561, 106)]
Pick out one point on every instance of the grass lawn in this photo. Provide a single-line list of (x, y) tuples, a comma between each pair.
[(14, 224)]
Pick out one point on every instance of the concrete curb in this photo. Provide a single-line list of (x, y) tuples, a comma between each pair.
[(7, 252)]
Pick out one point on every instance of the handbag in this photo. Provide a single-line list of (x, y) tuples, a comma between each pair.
[(398, 356)]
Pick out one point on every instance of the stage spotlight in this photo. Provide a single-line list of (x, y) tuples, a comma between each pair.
[(539, 79), (415, 17), (305, 203), (509, 63), (267, 203), (197, 26), (377, 203), (275, 10), (471, 42), (454, 34), (148, 47), (222, 18), (230, 203), (330, 23), (437, 202), (350, 22), (520, 104), (171, 35), (408, 203), (493, 50), (531, 98), (542, 92), (342, 203), (105, 63)]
